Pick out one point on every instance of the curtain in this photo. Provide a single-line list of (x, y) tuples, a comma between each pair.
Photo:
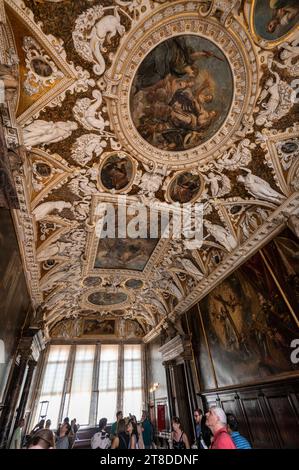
[(81, 389), (132, 397), (108, 378), (53, 383)]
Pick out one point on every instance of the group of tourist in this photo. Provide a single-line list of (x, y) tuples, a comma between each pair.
[(217, 430), (42, 437), (214, 430), (126, 433)]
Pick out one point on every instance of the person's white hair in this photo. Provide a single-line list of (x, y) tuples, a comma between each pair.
[(220, 413)]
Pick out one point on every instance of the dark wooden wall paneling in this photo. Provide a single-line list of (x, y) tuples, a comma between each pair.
[(268, 415)]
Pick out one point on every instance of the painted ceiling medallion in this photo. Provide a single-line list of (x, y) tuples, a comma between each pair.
[(181, 93), (134, 283), (103, 298), (117, 172), (92, 281), (274, 20), (179, 90), (185, 187)]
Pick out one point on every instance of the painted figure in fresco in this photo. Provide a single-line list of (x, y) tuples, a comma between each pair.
[(177, 99), (185, 188), (116, 174), (174, 58), (284, 11)]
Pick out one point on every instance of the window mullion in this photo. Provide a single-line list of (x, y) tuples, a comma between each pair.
[(95, 387), (67, 383), (120, 383)]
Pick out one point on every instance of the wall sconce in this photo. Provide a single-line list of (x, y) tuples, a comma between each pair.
[(154, 387)]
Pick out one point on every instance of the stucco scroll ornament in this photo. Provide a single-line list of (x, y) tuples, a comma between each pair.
[(41, 70), (226, 6), (71, 272), (236, 157), (152, 180), (83, 187), (162, 280), (87, 147), (223, 236), (281, 97), (41, 132), (259, 188), (288, 152), (92, 30), (288, 55)]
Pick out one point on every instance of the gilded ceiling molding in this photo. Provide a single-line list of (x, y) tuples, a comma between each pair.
[(93, 242), (49, 172), (74, 77)]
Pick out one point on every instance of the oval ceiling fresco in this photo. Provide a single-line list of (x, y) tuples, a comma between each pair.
[(181, 93), (107, 298), (274, 19)]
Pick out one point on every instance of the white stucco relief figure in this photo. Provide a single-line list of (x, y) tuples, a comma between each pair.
[(237, 156), (281, 97), (44, 133), (87, 147), (219, 184), (41, 211), (221, 235), (86, 111), (259, 188), (92, 30)]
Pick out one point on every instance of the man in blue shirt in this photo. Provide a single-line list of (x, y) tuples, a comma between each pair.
[(232, 427)]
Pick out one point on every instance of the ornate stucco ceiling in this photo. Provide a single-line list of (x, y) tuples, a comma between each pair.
[(161, 101)]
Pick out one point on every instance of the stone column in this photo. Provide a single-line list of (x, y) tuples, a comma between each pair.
[(13, 393), (24, 398)]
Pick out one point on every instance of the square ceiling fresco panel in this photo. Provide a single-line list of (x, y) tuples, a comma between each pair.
[(124, 253)]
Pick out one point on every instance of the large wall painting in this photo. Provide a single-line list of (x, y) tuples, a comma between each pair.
[(182, 93), (282, 256), (272, 20), (249, 327)]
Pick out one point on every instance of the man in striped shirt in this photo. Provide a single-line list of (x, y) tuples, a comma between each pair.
[(232, 427)]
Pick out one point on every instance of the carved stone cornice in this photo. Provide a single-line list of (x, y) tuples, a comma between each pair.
[(176, 348)]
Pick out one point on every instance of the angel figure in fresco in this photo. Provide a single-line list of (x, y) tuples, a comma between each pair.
[(284, 11)]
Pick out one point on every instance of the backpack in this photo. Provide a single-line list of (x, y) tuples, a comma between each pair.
[(100, 440)]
